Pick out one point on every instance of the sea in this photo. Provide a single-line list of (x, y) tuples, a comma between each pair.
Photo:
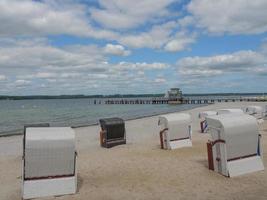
[(14, 114)]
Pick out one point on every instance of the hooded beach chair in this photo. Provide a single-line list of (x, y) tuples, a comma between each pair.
[(203, 123), (232, 111), (256, 111), (175, 130), (112, 132), (235, 145), (49, 162)]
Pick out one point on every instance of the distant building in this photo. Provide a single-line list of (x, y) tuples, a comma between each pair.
[(174, 93)]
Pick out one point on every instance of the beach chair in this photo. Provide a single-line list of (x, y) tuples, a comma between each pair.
[(233, 111), (203, 123), (175, 130), (256, 111), (235, 147), (49, 162), (112, 132)]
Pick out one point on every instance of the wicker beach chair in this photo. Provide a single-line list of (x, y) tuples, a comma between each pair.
[(175, 130), (235, 147), (112, 132), (203, 123), (49, 162)]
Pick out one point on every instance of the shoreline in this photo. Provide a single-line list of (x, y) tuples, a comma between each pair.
[(18, 131)]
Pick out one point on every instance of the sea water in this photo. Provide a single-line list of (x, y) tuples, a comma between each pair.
[(72, 112)]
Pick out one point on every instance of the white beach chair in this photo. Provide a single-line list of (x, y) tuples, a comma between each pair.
[(232, 111), (235, 147), (256, 111), (175, 130), (49, 162), (203, 123)]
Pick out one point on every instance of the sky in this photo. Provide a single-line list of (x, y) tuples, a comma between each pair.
[(53, 47)]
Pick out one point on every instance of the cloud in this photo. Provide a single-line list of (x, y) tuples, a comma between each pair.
[(237, 62), (160, 80), (22, 83), (180, 42), (117, 14), (52, 18), (2, 77), (35, 55), (234, 17), (36, 66), (35, 18), (117, 50), (154, 38), (140, 66), (164, 36)]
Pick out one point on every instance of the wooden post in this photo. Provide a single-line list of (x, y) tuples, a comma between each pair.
[(210, 155), (101, 138)]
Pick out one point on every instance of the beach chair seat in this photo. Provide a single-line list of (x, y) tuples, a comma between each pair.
[(49, 162), (112, 132), (175, 130), (235, 145), (203, 123)]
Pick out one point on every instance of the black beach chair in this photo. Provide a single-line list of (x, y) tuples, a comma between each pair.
[(112, 132)]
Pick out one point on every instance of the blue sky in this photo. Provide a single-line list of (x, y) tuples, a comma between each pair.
[(142, 46)]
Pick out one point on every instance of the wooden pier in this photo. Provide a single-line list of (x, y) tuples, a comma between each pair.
[(186, 100)]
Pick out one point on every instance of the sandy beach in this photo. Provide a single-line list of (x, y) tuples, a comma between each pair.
[(140, 169)]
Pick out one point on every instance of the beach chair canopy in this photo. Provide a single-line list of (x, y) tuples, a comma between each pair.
[(177, 124), (32, 125), (49, 152), (35, 125), (240, 134), (204, 114), (115, 127), (233, 111)]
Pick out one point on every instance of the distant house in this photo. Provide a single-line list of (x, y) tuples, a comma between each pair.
[(173, 94)]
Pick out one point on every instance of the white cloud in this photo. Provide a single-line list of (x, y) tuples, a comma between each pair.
[(161, 36), (42, 18), (241, 61), (235, 17), (36, 55), (117, 14), (38, 67), (2, 77), (180, 42), (22, 83), (48, 17), (117, 50), (141, 66), (160, 80), (155, 38), (186, 21), (45, 75)]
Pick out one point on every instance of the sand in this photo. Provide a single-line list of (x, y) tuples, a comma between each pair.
[(140, 169)]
